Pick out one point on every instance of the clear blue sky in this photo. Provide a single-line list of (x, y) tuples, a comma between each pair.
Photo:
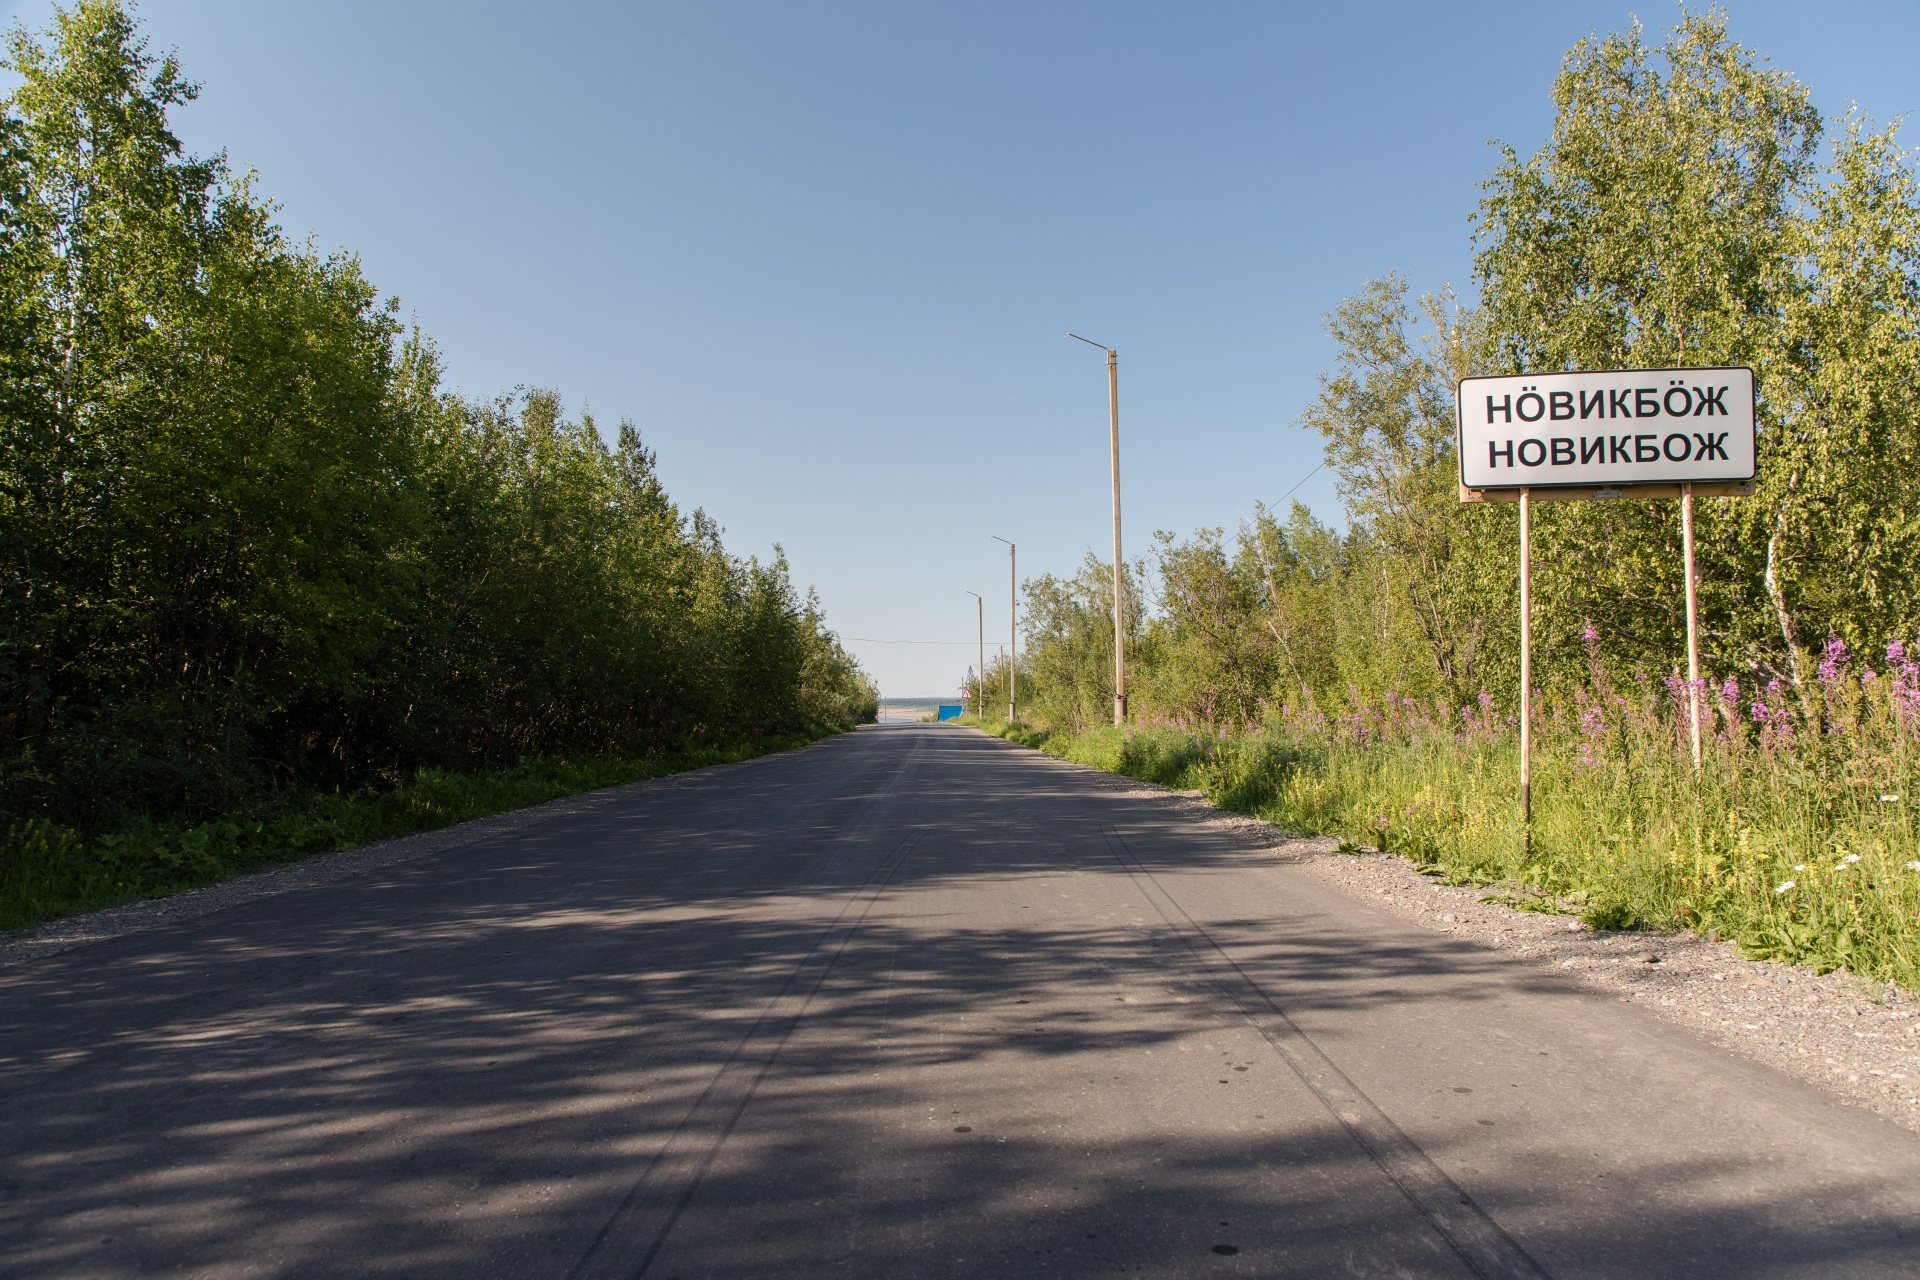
[(823, 253)]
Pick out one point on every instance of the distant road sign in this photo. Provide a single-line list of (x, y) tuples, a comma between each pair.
[(1628, 427)]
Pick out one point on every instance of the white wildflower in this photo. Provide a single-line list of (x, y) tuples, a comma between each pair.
[(1913, 866), (1891, 799), (1783, 886), (1851, 858), (1799, 866)]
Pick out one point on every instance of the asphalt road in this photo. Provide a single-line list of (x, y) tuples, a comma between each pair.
[(912, 1002)]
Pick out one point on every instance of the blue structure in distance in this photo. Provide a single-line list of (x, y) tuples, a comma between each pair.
[(950, 711)]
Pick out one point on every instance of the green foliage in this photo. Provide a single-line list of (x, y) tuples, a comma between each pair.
[(1066, 672), (1679, 215), (250, 550), (1027, 688), (1212, 651), (1386, 411)]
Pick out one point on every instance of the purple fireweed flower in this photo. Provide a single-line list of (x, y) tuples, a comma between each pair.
[(1762, 713), (1835, 660), (1590, 636), (1896, 653), (1593, 732), (1906, 682), (1907, 691), (1773, 687)]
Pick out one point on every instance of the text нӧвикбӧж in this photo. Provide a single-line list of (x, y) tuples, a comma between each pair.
[(1607, 402), (1701, 420)]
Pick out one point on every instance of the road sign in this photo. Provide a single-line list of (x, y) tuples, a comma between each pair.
[(1628, 433), (1602, 432)]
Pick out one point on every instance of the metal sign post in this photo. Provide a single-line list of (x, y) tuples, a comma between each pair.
[(1693, 624), (1623, 433), (1526, 669)]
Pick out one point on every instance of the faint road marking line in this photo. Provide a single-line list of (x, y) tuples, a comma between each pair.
[(1475, 1238), (627, 1246)]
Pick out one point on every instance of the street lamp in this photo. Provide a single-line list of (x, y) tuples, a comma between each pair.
[(980, 680), (1119, 609), (1012, 643)]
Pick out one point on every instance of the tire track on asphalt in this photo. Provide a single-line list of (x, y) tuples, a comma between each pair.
[(1479, 1243), (632, 1238)]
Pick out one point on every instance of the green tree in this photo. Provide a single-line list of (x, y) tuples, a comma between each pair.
[(1836, 528), (1214, 650), (248, 542), (1068, 632), (1679, 215), (202, 471), (1304, 567), (1386, 411)]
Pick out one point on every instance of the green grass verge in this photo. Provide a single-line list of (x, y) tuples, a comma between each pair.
[(48, 870), (1801, 857)]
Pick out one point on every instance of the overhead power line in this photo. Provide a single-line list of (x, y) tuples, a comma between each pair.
[(1296, 488)]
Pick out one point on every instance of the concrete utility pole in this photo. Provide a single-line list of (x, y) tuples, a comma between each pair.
[(1013, 606), (980, 681), (1119, 602)]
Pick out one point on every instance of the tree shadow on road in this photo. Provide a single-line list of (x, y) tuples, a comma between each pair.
[(465, 1066)]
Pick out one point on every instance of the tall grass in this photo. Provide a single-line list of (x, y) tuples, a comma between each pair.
[(49, 870), (1796, 839)]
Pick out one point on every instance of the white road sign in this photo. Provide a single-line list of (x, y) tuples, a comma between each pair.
[(1627, 427)]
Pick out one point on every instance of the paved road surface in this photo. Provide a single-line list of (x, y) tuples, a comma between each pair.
[(912, 1002)]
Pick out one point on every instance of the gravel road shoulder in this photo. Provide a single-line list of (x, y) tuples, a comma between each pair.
[(1857, 1039)]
